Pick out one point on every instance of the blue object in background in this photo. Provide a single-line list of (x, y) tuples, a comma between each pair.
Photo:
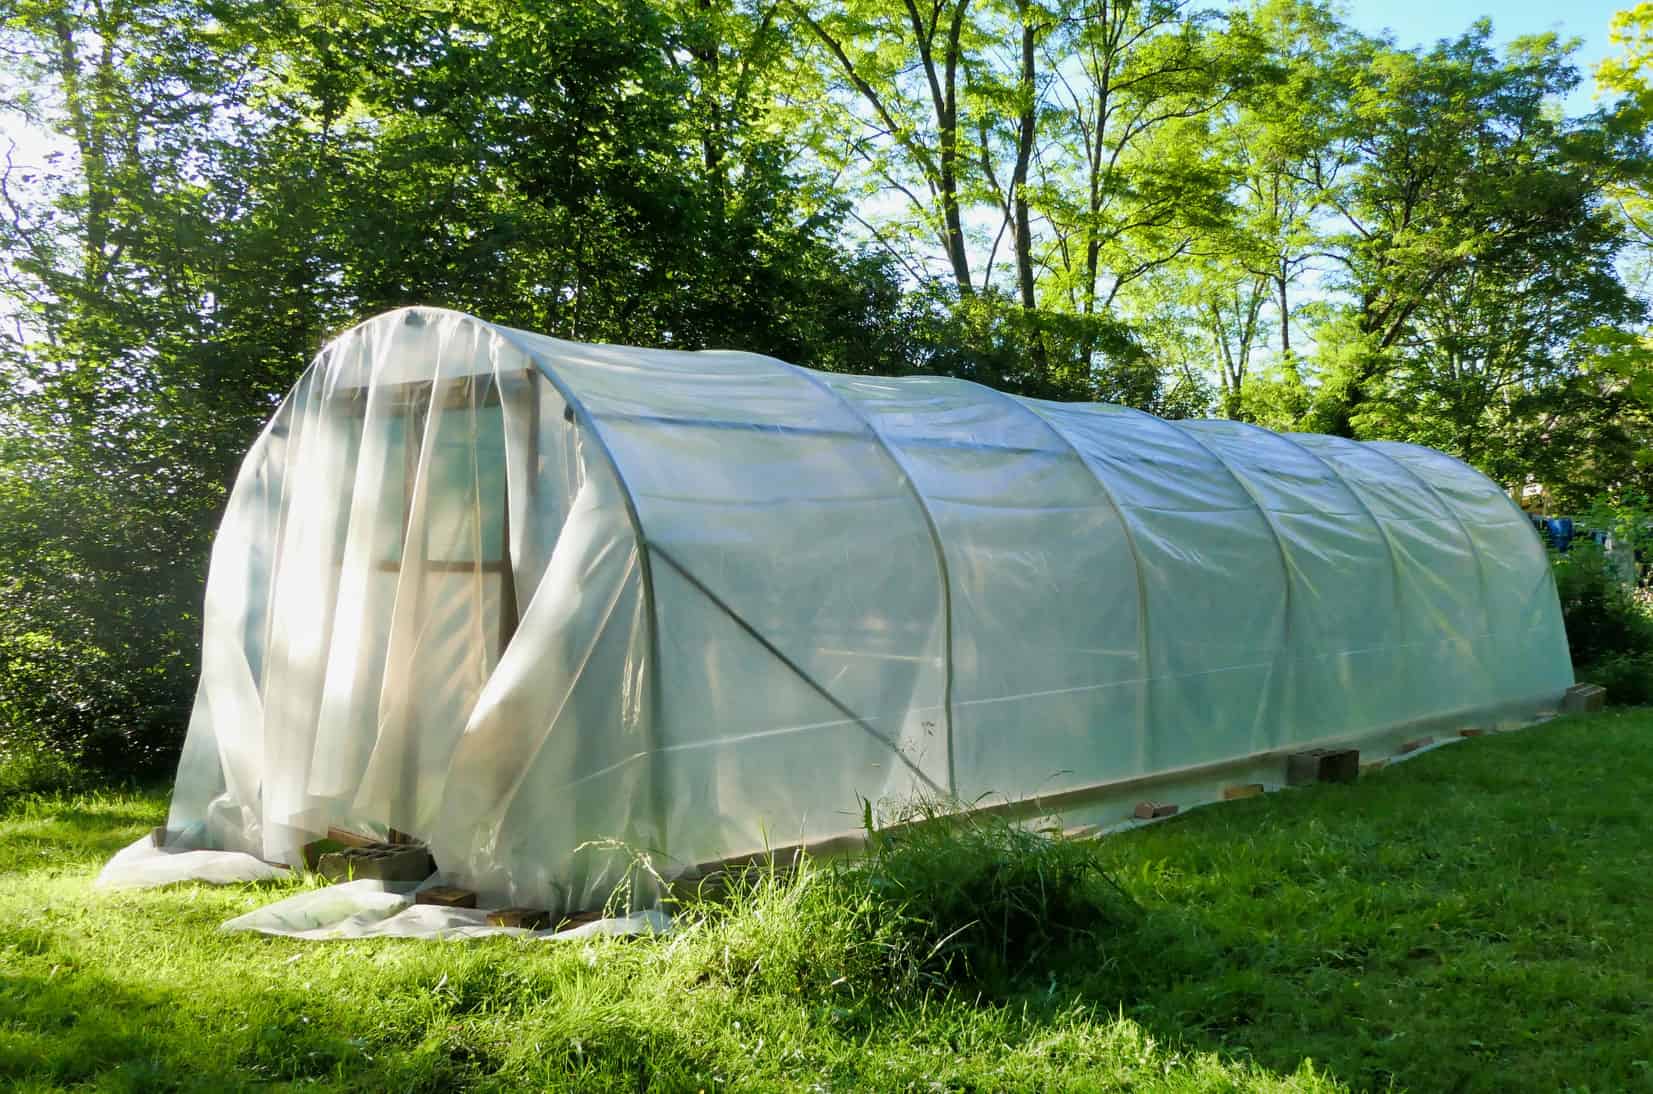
[(1560, 531)]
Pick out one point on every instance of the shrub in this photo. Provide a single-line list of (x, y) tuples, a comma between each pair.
[(1603, 616), (28, 767), (1628, 677)]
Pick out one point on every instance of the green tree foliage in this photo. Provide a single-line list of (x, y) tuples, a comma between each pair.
[(1033, 158), (1282, 153), (243, 178), (1627, 78), (1476, 252)]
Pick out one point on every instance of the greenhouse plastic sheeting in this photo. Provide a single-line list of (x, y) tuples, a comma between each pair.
[(550, 606), (142, 864), (371, 909)]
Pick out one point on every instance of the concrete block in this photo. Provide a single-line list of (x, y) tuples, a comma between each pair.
[(533, 919), (1340, 765), (1326, 765), (1584, 699), (1154, 810), (1243, 790), (314, 850), (446, 896), (378, 861)]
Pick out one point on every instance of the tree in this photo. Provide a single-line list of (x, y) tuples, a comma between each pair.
[(251, 176), (1062, 127), (1627, 78), (902, 70), (1465, 173), (1124, 179), (1278, 149)]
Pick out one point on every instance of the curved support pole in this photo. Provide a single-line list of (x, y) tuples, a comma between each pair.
[(1383, 533), (1451, 511), (935, 540), (1268, 519), (647, 550), (645, 568), (1144, 658)]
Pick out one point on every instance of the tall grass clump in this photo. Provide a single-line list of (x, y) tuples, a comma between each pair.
[(940, 899), (981, 895)]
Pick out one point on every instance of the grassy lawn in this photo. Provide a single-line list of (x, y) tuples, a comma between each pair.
[(1478, 919)]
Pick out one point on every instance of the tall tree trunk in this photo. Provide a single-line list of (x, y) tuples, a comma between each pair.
[(88, 123), (1024, 154), (947, 116), (707, 56), (1285, 320), (1023, 241)]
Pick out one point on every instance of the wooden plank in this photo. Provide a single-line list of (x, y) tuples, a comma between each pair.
[(446, 566), (350, 839)]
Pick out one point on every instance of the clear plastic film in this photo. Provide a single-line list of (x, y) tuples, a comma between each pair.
[(544, 604)]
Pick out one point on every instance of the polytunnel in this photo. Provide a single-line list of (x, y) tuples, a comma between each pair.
[(533, 601)]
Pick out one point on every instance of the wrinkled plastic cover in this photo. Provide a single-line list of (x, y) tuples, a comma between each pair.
[(556, 608), (143, 865), (371, 909)]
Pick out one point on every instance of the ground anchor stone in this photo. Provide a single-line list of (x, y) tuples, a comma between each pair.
[(1326, 765), (377, 862), (1584, 699)]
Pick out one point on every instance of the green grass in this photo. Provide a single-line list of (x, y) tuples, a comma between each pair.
[(1478, 919)]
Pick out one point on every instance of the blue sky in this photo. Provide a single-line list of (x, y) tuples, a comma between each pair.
[(1422, 22)]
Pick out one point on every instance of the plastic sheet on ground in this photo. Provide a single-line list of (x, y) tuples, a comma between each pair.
[(372, 909), (142, 865)]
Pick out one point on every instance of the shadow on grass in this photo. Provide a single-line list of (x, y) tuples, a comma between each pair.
[(70, 1026), (1472, 920), (73, 1027)]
